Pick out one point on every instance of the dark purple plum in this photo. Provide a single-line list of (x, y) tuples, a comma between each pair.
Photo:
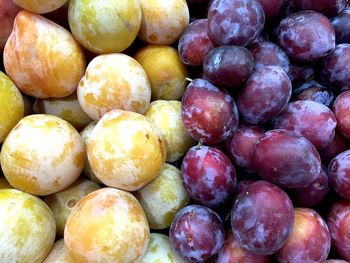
[(339, 174), (241, 142), (273, 8), (338, 222), (262, 218), (329, 8), (197, 233), (338, 145), (306, 36), (336, 71), (228, 66), (313, 120), (264, 95), (235, 22), (341, 24), (208, 176), (312, 90), (286, 159), (300, 74), (313, 193), (309, 242), (232, 252), (341, 109), (195, 43), (208, 113), (266, 53)]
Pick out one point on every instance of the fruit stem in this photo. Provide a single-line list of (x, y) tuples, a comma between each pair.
[(200, 143), (189, 79)]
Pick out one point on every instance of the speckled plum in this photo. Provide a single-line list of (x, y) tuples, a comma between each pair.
[(262, 218), (264, 95), (306, 35), (286, 158), (235, 22), (208, 176), (313, 120), (208, 113), (197, 233)]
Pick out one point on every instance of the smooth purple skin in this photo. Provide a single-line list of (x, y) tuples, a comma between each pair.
[(262, 218), (241, 142), (339, 174), (306, 36), (235, 22), (338, 145), (341, 24), (195, 43), (208, 113), (272, 8), (338, 222), (309, 242), (197, 233), (266, 53), (264, 95), (313, 120), (329, 8), (341, 109), (208, 176), (228, 66), (336, 71), (314, 193), (286, 159)]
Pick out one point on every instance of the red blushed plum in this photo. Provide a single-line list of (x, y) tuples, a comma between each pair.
[(266, 53), (195, 43), (8, 12), (309, 242), (272, 8), (313, 120), (262, 218), (339, 174), (228, 66), (336, 71), (232, 252), (208, 113), (341, 109), (208, 176), (338, 222), (306, 36), (341, 24), (338, 145), (197, 233), (235, 22), (300, 74), (264, 95), (241, 142), (286, 159), (329, 8), (311, 90), (313, 193)]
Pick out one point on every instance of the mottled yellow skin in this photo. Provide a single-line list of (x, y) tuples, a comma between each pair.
[(12, 106), (67, 108), (163, 197), (167, 116), (85, 135), (105, 26), (62, 203), (27, 227), (42, 58), (114, 81), (40, 6), (163, 22), (43, 154), (160, 251), (4, 184), (126, 150), (165, 71), (107, 225), (59, 253)]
